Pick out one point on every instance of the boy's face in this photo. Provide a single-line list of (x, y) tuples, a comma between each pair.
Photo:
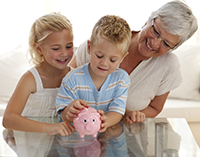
[(104, 58)]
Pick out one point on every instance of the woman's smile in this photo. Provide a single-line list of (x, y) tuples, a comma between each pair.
[(148, 46)]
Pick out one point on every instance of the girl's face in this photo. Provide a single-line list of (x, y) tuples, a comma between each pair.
[(57, 48), (104, 58), (149, 45)]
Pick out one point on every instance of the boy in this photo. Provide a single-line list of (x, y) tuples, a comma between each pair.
[(99, 83)]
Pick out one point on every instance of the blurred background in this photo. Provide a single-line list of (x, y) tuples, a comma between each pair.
[(17, 16)]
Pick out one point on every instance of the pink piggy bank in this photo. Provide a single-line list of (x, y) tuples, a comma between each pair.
[(87, 122)]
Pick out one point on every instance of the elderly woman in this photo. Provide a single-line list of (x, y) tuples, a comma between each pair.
[(154, 71)]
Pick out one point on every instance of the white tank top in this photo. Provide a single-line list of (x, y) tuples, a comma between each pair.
[(42, 102)]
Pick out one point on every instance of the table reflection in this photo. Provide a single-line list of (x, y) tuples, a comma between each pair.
[(153, 138)]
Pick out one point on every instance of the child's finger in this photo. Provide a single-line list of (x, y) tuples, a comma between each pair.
[(68, 128), (70, 115), (83, 103), (102, 130), (101, 112), (79, 104), (103, 118), (74, 110)]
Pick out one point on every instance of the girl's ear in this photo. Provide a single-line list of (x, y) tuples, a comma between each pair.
[(38, 49), (88, 47)]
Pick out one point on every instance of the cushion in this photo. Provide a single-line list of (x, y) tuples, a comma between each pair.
[(12, 64), (189, 56), (176, 108)]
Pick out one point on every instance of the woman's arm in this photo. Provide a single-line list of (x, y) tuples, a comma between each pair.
[(81, 55), (155, 106), (72, 63), (153, 109)]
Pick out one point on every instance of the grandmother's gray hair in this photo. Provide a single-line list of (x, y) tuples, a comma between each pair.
[(177, 18)]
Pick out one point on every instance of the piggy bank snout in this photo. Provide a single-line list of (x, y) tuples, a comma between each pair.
[(89, 127), (90, 124)]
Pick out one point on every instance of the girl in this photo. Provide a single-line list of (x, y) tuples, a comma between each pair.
[(51, 49)]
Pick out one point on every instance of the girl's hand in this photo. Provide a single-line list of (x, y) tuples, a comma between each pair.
[(135, 116), (74, 108), (104, 123), (63, 128)]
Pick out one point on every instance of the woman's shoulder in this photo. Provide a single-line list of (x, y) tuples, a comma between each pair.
[(169, 59), (73, 73), (120, 74), (120, 71), (82, 55)]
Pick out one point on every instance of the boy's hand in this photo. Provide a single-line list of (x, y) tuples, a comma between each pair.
[(104, 123), (135, 116), (74, 108)]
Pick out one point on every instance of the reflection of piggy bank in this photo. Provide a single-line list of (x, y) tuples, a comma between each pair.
[(88, 150), (87, 122)]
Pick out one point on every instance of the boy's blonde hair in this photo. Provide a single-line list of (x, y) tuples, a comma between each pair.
[(114, 29), (42, 28)]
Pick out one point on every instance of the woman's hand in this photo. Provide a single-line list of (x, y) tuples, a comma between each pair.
[(135, 117)]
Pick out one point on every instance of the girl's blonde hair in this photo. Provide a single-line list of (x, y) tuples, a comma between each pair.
[(41, 29)]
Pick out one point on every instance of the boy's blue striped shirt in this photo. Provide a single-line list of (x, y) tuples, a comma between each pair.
[(78, 84)]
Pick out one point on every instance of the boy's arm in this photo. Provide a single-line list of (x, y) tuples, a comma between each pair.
[(109, 119), (113, 118)]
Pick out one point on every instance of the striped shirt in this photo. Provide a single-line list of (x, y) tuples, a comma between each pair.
[(78, 84)]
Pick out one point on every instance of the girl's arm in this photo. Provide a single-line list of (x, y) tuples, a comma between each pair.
[(12, 117)]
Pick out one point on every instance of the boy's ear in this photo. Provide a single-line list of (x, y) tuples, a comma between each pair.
[(88, 47), (38, 49), (124, 56)]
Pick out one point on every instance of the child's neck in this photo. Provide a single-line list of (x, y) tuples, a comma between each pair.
[(97, 81), (51, 77)]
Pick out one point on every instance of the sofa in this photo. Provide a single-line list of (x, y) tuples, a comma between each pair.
[(183, 102), (12, 65)]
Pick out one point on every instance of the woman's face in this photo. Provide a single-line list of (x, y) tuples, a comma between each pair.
[(149, 45)]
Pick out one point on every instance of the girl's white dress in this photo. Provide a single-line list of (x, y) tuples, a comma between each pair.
[(42, 102), (41, 107)]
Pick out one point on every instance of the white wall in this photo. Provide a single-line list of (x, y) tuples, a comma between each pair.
[(17, 16)]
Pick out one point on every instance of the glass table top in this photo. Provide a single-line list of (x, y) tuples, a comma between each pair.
[(156, 137)]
